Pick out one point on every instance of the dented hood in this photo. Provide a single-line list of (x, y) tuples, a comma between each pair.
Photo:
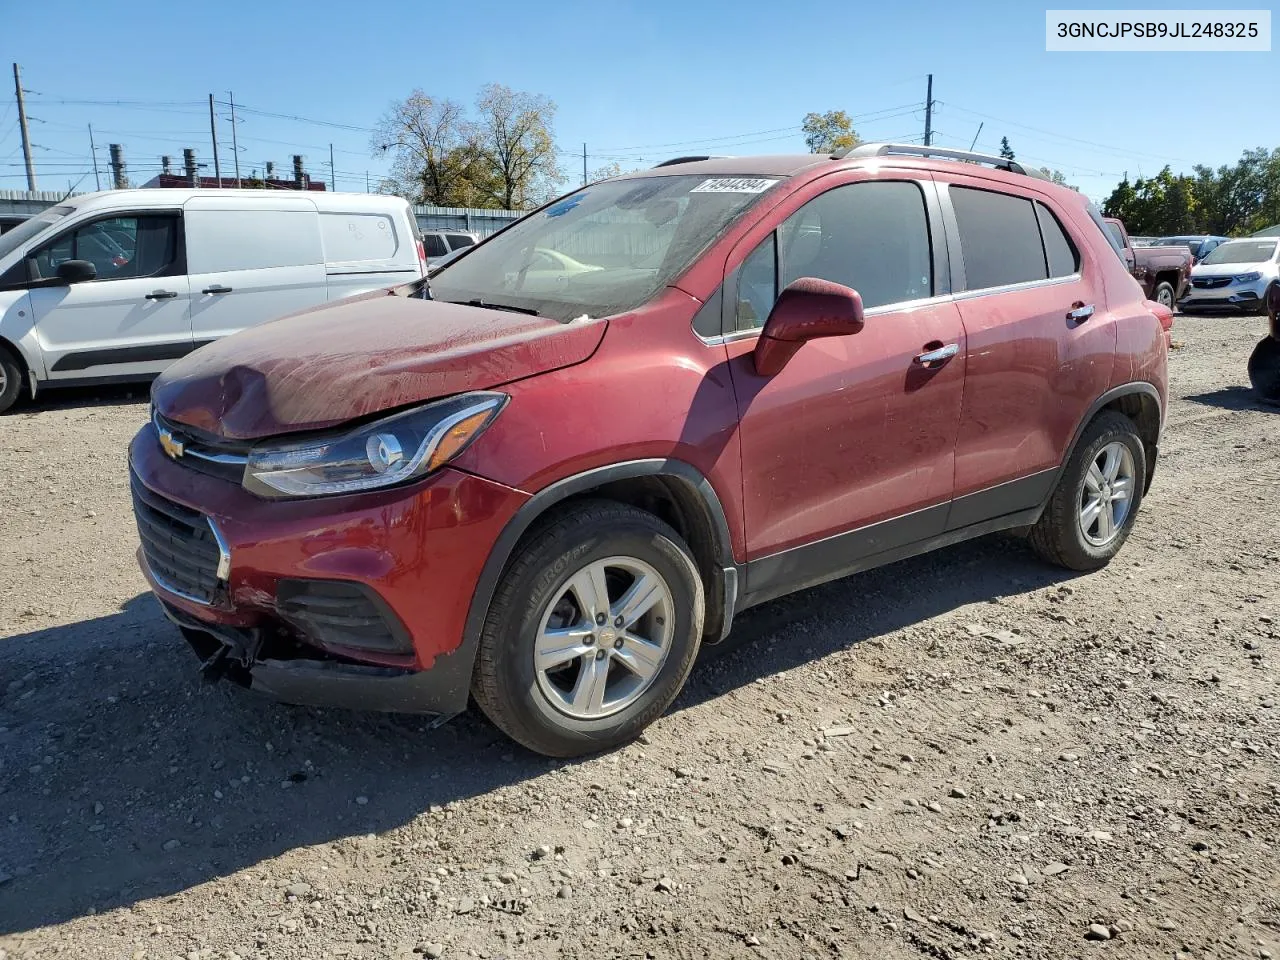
[(336, 363)]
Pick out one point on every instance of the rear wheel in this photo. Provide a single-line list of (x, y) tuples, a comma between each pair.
[(1096, 501), (10, 379), (1164, 294), (592, 633), (1264, 369)]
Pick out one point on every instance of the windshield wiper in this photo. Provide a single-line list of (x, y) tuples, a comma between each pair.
[(487, 305)]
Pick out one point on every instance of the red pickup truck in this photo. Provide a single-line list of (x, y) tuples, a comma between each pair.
[(1164, 272)]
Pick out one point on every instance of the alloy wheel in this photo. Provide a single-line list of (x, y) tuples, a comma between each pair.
[(603, 638), (1107, 495)]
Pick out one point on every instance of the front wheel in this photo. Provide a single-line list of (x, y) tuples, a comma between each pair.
[(10, 380), (1094, 505), (593, 631)]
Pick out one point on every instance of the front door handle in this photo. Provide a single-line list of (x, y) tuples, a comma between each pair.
[(939, 355), (161, 295), (1080, 312), (216, 288)]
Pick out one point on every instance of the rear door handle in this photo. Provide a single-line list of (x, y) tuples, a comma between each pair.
[(216, 288), (939, 355), (161, 295), (1080, 312)]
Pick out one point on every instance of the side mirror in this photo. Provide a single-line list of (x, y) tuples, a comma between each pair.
[(807, 309), (76, 271)]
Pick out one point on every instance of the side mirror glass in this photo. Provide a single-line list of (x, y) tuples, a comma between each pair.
[(807, 309), (76, 271)]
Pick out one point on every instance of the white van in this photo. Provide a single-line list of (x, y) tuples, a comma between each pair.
[(113, 286)]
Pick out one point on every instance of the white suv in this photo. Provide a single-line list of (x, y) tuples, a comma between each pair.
[(1235, 276), (443, 244)]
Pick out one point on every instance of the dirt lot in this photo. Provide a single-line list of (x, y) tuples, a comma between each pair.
[(967, 753)]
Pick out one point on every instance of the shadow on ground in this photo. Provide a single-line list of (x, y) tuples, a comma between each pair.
[(108, 395), (1232, 398), (122, 778)]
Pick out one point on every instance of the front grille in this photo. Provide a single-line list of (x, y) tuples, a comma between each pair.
[(213, 456), (338, 613), (179, 545), (1209, 283)]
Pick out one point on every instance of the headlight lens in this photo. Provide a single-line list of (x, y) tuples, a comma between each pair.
[(1248, 277), (393, 450)]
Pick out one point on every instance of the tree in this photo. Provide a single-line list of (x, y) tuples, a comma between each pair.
[(610, 169), (513, 133), (1057, 176), (828, 132), (1006, 151), (431, 146)]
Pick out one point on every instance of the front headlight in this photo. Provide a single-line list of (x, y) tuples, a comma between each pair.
[(393, 450), (1247, 277)]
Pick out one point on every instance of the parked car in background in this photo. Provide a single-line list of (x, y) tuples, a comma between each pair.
[(1142, 241), (1200, 246), (442, 244), (1162, 271), (781, 370), (1236, 276), (114, 286), (7, 223)]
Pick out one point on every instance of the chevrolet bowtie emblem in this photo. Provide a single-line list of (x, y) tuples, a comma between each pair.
[(170, 444)]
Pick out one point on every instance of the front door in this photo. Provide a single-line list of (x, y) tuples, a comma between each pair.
[(849, 450), (133, 319)]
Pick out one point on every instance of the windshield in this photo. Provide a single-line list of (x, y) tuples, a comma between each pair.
[(603, 250), (24, 231), (1242, 251)]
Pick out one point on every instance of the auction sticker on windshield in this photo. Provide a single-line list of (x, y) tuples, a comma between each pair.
[(735, 185)]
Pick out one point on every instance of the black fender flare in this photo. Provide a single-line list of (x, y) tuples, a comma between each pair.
[(461, 661), (1132, 388)]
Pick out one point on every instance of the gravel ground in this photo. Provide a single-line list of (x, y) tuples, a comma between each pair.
[(963, 753)]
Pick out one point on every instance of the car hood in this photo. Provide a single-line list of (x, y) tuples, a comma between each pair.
[(332, 364), (1266, 268)]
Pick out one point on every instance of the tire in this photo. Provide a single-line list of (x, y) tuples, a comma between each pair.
[(535, 705), (10, 379), (1060, 536), (1264, 369), (1164, 294)]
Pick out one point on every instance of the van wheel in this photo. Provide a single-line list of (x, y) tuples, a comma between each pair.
[(1096, 501), (1164, 294), (10, 380), (592, 632)]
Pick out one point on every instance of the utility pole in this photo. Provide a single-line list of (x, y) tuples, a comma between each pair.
[(235, 145), (366, 181), (22, 125), (118, 178), (213, 132), (976, 135), (189, 165), (97, 182), (584, 164), (928, 114), (333, 180)]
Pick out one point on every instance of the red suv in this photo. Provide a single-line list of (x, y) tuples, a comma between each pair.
[(547, 478)]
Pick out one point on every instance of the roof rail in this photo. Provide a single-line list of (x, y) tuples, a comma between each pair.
[(917, 150), (674, 160)]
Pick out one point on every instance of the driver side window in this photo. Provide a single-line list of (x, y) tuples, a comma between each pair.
[(871, 236), (119, 248)]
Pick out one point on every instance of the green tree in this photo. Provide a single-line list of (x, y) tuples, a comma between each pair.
[(829, 132), (1057, 176), (1006, 151), (513, 132)]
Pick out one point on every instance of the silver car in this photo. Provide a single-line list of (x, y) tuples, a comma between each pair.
[(1235, 276)]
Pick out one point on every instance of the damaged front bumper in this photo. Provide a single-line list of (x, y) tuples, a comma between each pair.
[(266, 662)]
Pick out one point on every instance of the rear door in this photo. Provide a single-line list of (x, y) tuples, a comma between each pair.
[(1041, 342), (251, 260), (134, 318), (855, 430)]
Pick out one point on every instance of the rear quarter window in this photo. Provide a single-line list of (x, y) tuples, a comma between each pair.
[(433, 243), (352, 237)]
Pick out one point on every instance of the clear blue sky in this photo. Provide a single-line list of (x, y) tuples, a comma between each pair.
[(638, 82)]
